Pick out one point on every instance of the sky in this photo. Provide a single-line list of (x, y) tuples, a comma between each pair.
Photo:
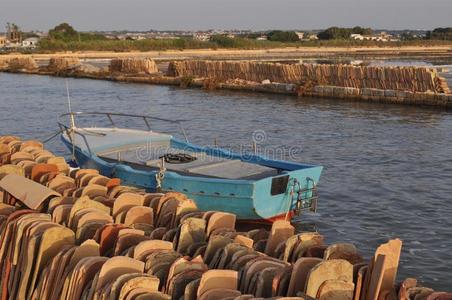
[(88, 15)]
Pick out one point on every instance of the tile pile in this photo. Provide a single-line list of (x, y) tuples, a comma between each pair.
[(415, 79), (19, 63), (62, 64), (75, 234), (133, 66)]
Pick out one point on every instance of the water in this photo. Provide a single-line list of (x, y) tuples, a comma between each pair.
[(388, 168)]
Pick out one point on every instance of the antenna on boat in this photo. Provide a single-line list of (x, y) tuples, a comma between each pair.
[(69, 104), (72, 135)]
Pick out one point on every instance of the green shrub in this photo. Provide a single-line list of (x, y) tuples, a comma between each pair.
[(283, 36)]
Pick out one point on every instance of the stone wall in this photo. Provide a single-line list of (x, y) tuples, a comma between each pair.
[(415, 79)]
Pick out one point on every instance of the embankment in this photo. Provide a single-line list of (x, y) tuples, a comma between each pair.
[(403, 85)]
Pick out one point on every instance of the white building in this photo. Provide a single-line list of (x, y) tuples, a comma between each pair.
[(201, 36), (30, 42), (357, 36), (300, 35)]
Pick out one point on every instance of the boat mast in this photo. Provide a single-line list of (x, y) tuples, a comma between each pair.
[(69, 105)]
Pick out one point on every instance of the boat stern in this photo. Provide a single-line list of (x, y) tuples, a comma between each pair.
[(287, 194)]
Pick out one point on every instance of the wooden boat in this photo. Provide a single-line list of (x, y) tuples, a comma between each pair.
[(253, 187)]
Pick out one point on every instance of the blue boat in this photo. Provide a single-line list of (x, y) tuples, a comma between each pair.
[(255, 188)]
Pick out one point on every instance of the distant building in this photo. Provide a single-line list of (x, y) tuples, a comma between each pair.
[(300, 35), (2, 41), (381, 37), (262, 38), (312, 37), (30, 42), (201, 36), (357, 36)]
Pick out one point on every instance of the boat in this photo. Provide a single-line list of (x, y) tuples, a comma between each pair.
[(252, 186)]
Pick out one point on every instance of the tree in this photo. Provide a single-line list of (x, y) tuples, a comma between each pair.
[(283, 36), (440, 34), (222, 40), (339, 33), (335, 33), (362, 31), (64, 31), (408, 36)]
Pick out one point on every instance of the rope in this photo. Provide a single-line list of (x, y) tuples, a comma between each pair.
[(160, 175)]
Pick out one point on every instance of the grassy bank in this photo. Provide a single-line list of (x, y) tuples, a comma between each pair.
[(49, 46)]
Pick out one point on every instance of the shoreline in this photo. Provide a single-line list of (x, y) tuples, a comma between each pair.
[(420, 99)]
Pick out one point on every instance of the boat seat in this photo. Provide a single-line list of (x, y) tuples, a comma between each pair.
[(232, 169), (204, 165)]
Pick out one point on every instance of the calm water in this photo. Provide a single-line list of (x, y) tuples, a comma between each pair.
[(388, 169)]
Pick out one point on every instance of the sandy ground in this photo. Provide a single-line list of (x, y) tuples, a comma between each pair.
[(256, 54)]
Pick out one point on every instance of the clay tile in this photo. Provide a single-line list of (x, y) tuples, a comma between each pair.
[(28, 192), (191, 231), (300, 274), (214, 279), (336, 269), (281, 231), (20, 156), (220, 220), (11, 169), (31, 143), (94, 190), (126, 201), (116, 266), (139, 214), (150, 245), (145, 282), (343, 251), (39, 170), (243, 240), (336, 289)]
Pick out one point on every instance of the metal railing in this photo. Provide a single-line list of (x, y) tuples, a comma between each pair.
[(70, 131), (110, 115)]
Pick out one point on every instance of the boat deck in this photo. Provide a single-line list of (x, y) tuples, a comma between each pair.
[(143, 149)]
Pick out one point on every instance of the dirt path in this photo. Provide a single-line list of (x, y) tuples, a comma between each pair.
[(281, 53)]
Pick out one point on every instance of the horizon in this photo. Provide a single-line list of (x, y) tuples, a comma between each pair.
[(202, 15)]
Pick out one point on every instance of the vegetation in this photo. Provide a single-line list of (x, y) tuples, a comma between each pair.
[(65, 38), (409, 36), (65, 32), (50, 45), (440, 34), (283, 36), (339, 33)]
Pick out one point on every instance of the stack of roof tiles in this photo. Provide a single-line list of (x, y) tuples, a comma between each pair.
[(75, 234), (133, 66), (61, 64), (416, 79), (19, 64)]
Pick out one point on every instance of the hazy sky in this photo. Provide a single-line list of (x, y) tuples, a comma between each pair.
[(226, 14)]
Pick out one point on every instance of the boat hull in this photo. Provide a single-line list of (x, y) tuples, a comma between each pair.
[(250, 200)]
